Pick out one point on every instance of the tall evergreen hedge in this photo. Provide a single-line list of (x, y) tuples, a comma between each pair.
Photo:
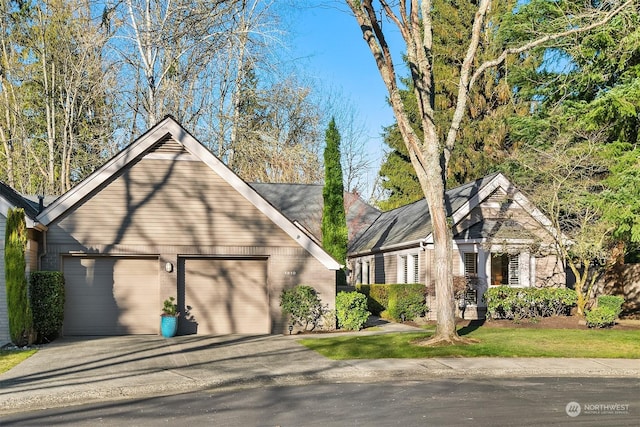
[(46, 291), (19, 310)]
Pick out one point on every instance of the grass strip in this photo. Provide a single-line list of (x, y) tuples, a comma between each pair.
[(11, 358), (492, 342)]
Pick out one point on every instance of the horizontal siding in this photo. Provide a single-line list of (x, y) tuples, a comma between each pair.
[(160, 202)]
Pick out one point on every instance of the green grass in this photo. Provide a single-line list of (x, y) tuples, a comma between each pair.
[(492, 342), (9, 359)]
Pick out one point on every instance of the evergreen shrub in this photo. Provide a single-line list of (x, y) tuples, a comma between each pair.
[(303, 305), (46, 293), (351, 310)]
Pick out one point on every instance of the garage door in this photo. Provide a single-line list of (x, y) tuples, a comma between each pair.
[(111, 296), (226, 296)]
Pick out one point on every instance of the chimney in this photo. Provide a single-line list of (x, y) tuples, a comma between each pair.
[(40, 203)]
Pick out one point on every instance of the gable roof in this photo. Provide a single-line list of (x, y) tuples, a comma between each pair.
[(166, 129), (304, 203), (9, 198), (411, 224)]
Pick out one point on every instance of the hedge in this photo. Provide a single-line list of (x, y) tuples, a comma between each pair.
[(395, 301), (47, 303), (505, 302)]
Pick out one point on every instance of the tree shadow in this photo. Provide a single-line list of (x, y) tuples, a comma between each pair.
[(472, 326)]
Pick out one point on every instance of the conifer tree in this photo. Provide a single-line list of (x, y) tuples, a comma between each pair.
[(20, 317), (334, 222)]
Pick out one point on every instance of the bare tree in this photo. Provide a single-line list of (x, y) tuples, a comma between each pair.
[(566, 180), (167, 46), (429, 155)]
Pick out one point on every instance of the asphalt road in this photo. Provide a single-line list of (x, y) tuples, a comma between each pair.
[(440, 402)]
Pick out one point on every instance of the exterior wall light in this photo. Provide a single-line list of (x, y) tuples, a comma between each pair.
[(168, 267)]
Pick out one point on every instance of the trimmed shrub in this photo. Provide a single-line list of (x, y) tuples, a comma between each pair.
[(505, 302), (613, 302), (19, 310), (407, 301), (377, 297), (600, 317), (351, 309), (607, 310), (46, 292), (303, 305)]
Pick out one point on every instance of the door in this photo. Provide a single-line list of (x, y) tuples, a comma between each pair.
[(225, 296), (111, 296)]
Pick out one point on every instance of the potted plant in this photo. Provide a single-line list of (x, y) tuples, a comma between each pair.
[(169, 318)]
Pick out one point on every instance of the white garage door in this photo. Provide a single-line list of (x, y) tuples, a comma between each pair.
[(226, 296), (111, 296)]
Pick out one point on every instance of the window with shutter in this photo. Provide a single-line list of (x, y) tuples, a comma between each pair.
[(470, 264), (416, 269)]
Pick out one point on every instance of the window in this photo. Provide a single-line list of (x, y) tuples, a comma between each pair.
[(365, 273), (505, 269), (470, 264), (416, 269), (408, 269)]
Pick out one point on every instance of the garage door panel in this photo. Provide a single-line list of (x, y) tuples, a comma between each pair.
[(227, 296), (111, 296)]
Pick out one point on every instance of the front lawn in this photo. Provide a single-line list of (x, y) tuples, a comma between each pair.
[(492, 342), (10, 358)]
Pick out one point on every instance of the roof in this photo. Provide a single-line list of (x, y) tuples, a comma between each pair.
[(9, 198), (304, 203), (410, 224), (157, 135)]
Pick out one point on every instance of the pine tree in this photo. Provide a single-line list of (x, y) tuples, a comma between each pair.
[(334, 222)]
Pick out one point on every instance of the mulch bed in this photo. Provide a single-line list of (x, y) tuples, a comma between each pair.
[(553, 322)]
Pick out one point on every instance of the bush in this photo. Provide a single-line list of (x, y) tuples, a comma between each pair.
[(377, 297), (351, 309), (600, 317), (406, 301), (395, 301), (613, 302), (607, 310), (303, 304), (505, 302), (47, 303)]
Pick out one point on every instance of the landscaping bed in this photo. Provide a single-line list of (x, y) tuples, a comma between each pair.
[(552, 322)]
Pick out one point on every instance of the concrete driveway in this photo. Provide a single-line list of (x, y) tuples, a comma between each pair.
[(80, 370)]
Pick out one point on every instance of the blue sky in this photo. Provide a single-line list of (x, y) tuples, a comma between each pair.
[(328, 41)]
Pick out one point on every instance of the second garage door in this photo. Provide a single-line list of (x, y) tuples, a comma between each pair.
[(226, 296), (111, 296)]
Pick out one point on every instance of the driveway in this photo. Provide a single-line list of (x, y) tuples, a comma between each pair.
[(80, 370)]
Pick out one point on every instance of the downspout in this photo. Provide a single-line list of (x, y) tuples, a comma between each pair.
[(43, 230)]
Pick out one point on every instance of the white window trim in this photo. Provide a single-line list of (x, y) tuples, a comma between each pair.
[(408, 264)]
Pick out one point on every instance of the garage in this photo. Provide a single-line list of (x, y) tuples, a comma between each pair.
[(225, 295), (111, 296)]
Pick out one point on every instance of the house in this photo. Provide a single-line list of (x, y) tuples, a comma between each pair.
[(304, 203), (165, 217), (9, 199), (499, 238)]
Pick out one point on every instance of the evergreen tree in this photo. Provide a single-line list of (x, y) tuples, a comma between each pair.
[(334, 222), (484, 140), (20, 317)]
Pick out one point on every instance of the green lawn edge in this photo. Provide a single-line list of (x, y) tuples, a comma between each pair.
[(11, 358), (491, 342)]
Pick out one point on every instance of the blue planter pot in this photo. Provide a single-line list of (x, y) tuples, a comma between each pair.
[(168, 326)]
